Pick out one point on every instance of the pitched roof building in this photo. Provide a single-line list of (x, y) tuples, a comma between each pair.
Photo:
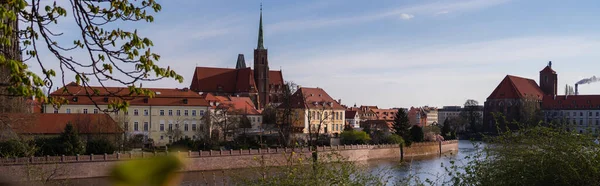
[(314, 107), (170, 108), (262, 85), (521, 99), (53, 124)]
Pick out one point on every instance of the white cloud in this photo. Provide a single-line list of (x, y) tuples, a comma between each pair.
[(406, 16), (410, 11), (438, 74), (442, 12)]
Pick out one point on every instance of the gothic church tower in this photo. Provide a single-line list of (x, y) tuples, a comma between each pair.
[(261, 68)]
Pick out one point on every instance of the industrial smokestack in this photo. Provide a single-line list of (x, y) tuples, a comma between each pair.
[(576, 89)]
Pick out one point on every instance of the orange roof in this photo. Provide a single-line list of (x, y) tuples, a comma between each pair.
[(313, 98), (165, 97), (513, 87), (385, 114), (229, 80), (55, 123), (239, 105), (572, 102)]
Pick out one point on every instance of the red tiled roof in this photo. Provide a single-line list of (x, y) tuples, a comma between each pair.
[(548, 69), (385, 114), (350, 114), (55, 123), (313, 98), (163, 96), (275, 77), (229, 80), (572, 102), (239, 105), (513, 87), (209, 97), (246, 99)]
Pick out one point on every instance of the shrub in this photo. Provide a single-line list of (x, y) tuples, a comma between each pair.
[(378, 137), (100, 146), (354, 137), (430, 136), (394, 139), (416, 133), (539, 155), (185, 144), (70, 142), (328, 169), (48, 147), (16, 148)]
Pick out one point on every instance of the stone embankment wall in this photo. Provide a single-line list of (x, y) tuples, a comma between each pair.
[(87, 166)]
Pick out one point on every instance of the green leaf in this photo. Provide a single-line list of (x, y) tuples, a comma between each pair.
[(155, 171)]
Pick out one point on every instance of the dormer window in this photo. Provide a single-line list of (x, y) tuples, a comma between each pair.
[(315, 103), (145, 100), (105, 99), (185, 101), (75, 99)]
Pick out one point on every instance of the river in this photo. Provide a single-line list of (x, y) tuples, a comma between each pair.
[(423, 167)]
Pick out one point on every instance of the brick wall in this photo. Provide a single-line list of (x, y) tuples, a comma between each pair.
[(86, 166)]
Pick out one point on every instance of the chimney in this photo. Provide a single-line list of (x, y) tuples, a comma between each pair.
[(340, 101), (576, 89)]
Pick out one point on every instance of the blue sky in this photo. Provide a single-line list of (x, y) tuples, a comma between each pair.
[(386, 53)]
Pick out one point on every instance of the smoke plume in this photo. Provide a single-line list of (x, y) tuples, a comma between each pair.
[(593, 79)]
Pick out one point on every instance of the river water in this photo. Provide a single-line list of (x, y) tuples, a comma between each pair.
[(423, 167)]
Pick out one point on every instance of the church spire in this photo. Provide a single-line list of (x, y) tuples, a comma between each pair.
[(260, 32), (241, 62)]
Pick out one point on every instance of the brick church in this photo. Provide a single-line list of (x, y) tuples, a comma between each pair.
[(522, 100), (262, 85)]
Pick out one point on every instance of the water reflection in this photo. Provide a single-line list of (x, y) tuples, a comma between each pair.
[(424, 167)]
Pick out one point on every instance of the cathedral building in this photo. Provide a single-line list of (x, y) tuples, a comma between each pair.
[(522, 100), (262, 85)]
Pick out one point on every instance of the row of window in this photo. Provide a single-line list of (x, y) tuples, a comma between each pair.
[(146, 112), (574, 113), (334, 127), (146, 126), (178, 112), (590, 122), (334, 115), (255, 119)]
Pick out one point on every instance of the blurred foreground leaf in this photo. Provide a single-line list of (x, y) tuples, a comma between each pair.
[(155, 171)]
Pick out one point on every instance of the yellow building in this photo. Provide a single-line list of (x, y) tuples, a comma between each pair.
[(170, 115), (314, 110)]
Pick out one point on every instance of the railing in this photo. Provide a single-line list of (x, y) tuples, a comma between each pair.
[(198, 154)]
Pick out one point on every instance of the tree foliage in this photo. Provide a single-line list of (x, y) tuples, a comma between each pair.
[(354, 137), (111, 54), (16, 148), (99, 146), (402, 126), (71, 144), (472, 116), (538, 155), (416, 133), (447, 131)]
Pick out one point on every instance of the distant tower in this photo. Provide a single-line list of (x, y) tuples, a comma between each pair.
[(241, 62), (261, 68), (549, 80)]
